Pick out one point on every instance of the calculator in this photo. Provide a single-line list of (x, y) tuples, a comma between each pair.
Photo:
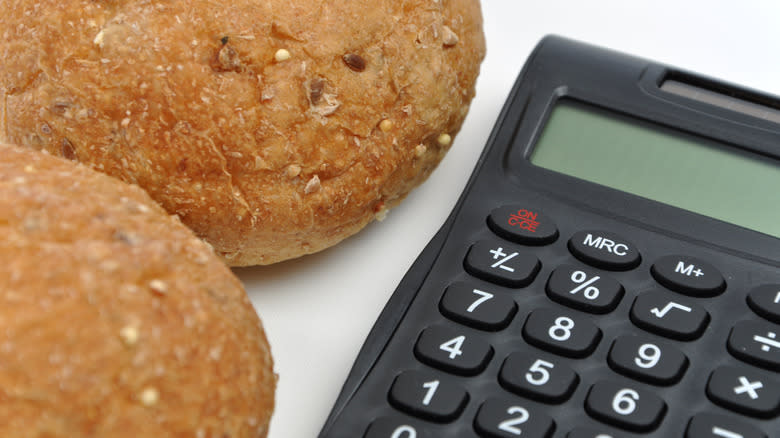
[(612, 269)]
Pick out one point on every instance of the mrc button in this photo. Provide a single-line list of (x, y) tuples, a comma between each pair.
[(605, 250), (688, 275)]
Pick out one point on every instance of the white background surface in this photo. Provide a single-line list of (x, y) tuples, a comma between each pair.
[(317, 310)]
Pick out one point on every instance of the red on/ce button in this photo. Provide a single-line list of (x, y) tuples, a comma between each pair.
[(522, 224)]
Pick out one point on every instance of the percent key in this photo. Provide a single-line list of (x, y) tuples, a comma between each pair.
[(584, 289)]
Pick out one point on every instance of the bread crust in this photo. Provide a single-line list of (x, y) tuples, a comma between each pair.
[(273, 129), (115, 319)]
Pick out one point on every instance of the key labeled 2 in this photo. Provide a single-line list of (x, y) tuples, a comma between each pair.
[(502, 418)]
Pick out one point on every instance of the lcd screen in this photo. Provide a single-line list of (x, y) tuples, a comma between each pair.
[(678, 169)]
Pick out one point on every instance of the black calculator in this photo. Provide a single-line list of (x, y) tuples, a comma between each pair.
[(612, 269)]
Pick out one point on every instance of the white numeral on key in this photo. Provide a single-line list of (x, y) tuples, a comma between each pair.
[(648, 356), (511, 424), (404, 432), (624, 402), (453, 346), (431, 386), (484, 296)]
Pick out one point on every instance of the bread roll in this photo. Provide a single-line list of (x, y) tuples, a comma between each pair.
[(273, 129), (115, 319)]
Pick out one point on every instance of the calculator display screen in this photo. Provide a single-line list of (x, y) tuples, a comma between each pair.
[(665, 165)]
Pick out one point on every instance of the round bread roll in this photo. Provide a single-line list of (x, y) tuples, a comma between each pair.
[(273, 129), (115, 319)]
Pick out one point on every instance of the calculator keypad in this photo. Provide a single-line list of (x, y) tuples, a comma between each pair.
[(555, 340)]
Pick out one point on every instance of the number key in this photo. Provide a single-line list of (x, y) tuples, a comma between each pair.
[(501, 418), (538, 379), (396, 427), (647, 360), (452, 351), (625, 407), (427, 396), (561, 333), (582, 432), (477, 307)]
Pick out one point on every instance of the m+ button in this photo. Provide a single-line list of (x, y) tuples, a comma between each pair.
[(688, 275)]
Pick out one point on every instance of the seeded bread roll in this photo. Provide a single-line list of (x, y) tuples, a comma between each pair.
[(273, 129), (115, 319)]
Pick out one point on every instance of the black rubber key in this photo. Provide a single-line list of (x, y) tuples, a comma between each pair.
[(765, 301), (688, 275), (720, 426), (584, 289), (501, 263), (561, 332), (546, 380), (477, 307), (506, 418), (399, 427), (604, 249), (757, 343), (428, 396), (451, 350), (744, 390), (647, 360), (666, 314), (625, 406)]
